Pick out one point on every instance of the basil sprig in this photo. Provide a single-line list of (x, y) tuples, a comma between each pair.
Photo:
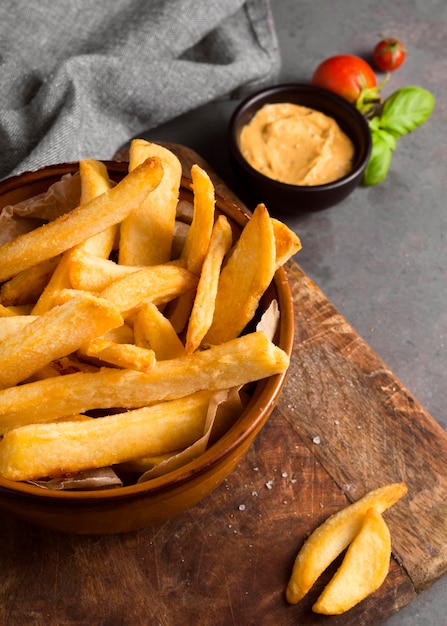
[(401, 113)]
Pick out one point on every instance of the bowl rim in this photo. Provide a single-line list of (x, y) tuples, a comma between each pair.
[(236, 434), (261, 97)]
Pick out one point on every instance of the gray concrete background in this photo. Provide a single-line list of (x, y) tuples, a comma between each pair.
[(381, 255)]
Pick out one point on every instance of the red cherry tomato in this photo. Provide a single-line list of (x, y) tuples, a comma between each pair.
[(346, 75), (389, 54)]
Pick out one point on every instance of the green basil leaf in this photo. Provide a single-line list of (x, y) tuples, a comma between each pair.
[(379, 161), (374, 123), (406, 109), (386, 137)]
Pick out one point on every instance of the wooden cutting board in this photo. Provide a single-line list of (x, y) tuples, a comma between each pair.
[(344, 425)]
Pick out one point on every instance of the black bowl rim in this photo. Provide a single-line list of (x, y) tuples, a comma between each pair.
[(221, 449), (261, 97)]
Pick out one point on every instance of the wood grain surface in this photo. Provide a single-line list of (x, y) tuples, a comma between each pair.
[(344, 425)]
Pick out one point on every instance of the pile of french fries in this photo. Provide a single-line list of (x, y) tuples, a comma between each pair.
[(112, 347)]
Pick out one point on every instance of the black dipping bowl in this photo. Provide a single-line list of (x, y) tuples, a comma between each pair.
[(282, 197)]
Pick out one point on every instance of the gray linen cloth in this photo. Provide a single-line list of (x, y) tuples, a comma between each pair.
[(79, 78)]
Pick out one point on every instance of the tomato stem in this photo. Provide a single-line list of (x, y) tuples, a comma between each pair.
[(369, 98)]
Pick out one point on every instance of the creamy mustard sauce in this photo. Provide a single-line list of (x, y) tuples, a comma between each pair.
[(296, 145)]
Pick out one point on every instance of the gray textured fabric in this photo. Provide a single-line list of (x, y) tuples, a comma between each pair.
[(81, 77)]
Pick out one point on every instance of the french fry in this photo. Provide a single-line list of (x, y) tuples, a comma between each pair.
[(120, 334), (333, 536), (153, 330), (55, 334), (244, 278), (158, 284), (89, 272), (363, 570), (286, 241), (14, 324), (85, 221), (92, 273), (204, 301), (220, 367), (146, 233), (125, 355), (41, 450), (26, 287), (198, 238), (94, 182), (197, 241), (59, 281)]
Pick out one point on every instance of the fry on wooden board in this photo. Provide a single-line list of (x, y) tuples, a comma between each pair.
[(363, 569), (333, 536)]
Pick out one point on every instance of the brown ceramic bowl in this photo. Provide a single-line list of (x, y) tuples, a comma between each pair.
[(136, 506), (282, 198)]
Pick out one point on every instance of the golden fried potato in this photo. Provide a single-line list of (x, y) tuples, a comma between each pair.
[(14, 324), (221, 367), (89, 272), (59, 282), (286, 241), (157, 283), (26, 287), (53, 335), (244, 278), (94, 182), (203, 308), (199, 235), (364, 567), (197, 241), (41, 450), (153, 330), (126, 355), (333, 536), (146, 233)]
